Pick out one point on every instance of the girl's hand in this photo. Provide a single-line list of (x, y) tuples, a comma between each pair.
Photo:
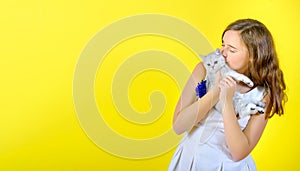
[(227, 88)]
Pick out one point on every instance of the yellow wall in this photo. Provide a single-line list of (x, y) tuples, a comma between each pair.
[(41, 43)]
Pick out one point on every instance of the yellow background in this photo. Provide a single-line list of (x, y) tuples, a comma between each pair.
[(40, 45)]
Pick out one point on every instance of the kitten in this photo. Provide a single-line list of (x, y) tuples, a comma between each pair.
[(244, 105), (214, 62)]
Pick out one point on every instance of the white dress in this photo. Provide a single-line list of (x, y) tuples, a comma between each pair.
[(204, 148)]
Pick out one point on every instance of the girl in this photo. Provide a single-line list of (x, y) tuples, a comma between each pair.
[(215, 139)]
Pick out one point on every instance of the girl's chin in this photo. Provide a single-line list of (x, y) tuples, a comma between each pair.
[(230, 66)]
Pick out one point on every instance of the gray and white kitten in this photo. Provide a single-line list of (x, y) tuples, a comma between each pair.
[(244, 104), (213, 62)]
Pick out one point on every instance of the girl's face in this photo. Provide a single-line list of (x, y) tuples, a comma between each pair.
[(235, 51)]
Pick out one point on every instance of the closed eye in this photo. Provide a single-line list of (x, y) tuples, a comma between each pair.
[(232, 51)]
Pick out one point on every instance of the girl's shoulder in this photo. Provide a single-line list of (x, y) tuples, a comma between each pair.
[(199, 71)]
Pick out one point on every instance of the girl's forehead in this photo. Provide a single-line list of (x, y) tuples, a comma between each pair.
[(232, 38)]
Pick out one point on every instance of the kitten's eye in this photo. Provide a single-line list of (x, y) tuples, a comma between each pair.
[(216, 62), (208, 64)]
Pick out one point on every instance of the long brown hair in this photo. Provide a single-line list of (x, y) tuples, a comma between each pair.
[(263, 64)]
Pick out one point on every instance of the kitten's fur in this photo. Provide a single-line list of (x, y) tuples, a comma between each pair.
[(213, 62)]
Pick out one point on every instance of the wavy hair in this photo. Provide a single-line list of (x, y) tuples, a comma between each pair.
[(263, 62)]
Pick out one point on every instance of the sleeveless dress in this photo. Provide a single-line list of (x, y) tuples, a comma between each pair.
[(204, 147)]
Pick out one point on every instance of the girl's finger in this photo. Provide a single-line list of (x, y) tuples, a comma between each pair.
[(230, 81)]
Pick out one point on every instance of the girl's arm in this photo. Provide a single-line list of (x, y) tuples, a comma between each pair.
[(190, 111), (240, 142)]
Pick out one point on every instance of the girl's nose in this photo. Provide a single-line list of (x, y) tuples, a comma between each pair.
[(223, 52)]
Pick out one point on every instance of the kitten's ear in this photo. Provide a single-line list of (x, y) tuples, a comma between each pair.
[(218, 52), (202, 57)]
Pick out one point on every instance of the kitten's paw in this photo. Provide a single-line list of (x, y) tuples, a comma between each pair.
[(249, 83), (260, 104), (261, 111), (257, 109), (251, 109)]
